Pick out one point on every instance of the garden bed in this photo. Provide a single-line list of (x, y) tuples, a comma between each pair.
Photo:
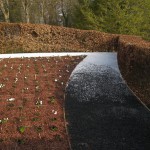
[(32, 101)]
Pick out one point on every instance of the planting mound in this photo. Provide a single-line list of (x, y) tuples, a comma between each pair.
[(133, 52), (32, 100)]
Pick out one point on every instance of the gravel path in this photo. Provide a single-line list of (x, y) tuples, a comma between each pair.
[(102, 113)]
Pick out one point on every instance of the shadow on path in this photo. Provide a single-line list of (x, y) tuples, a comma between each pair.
[(101, 111)]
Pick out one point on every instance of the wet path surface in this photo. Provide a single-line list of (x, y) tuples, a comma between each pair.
[(101, 111)]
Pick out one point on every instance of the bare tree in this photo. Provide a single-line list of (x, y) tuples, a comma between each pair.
[(67, 10), (41, 8), (49, 11), (4, 7), (26, 4), (56, 12), (40, 11)]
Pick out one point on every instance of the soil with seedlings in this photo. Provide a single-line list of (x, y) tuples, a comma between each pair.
[(32, 102)]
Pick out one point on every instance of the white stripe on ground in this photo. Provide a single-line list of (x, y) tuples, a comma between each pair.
[(20, 55)]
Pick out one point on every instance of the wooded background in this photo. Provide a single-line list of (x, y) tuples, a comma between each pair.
[(113, 16)]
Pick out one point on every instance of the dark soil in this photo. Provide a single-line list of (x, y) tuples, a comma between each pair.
[(32, 102)]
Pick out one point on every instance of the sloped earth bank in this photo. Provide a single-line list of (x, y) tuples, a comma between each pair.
[(133, 52), (134, 63), (32, 102), (102, 113)]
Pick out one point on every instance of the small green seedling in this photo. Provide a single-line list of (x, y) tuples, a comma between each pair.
[(58, 137), (53, 119), (14, 85), (35, 119), (20, 119), (38, 128), (37, 114), (51, 100), (20, 107), (20, 141), (54, 128), (4, 120), (22, 129), (24, 101), (39, 103), (10, 105)]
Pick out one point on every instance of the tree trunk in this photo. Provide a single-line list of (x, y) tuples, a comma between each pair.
[(6, 16), (65, 16), (27, 16), (26, 6), (42, 12), (5, 9)]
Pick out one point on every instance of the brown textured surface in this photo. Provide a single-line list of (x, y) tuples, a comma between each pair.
[(45, 38), (134, 63), (38, 120), (133, 52)]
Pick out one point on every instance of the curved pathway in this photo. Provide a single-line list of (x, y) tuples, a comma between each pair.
[(101, 111)]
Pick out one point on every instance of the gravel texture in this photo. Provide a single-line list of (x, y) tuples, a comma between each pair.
[(102, 112)]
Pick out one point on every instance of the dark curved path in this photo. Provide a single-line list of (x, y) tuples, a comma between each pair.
[(101, 111)]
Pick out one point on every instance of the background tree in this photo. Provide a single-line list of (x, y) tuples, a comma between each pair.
[(84, 17), (67, 8), (146, 25), (15, 9), (45, 11), (26, 5), (4, 7), (114, 16), (1, 17), (38, 11)]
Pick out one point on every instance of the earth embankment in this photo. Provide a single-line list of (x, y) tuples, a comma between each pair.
[(134, 62), (45, 38)]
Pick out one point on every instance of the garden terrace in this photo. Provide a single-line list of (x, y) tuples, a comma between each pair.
[(133, 51), (32, 102)]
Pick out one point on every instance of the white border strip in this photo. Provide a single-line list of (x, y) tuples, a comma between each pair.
[(26, 55)]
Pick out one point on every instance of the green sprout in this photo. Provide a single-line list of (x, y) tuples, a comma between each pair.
[(35, 119), (51, 100), (58, 137), (10, 105), (20, 141), (38, 128), (53, 119), (20, 107), (54, 128), (39, 103), (24, 101), (4, 120), (37, 114), (22, 129)]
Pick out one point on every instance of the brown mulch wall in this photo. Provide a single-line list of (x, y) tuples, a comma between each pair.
[(134, 63), (132, 57), (45, 38)]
